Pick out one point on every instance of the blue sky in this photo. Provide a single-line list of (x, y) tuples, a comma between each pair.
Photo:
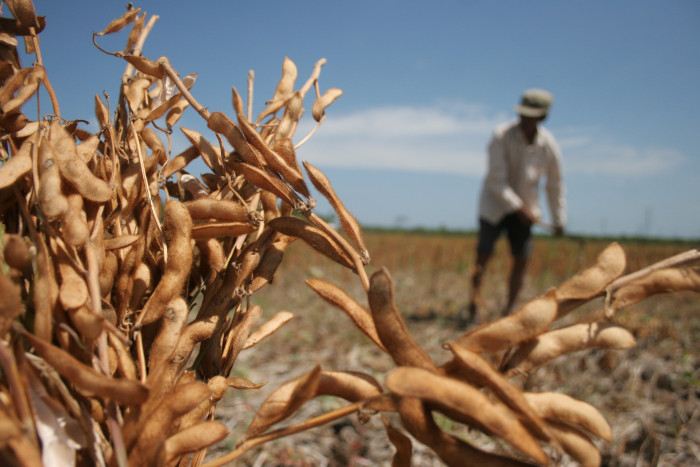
[(424, 85)]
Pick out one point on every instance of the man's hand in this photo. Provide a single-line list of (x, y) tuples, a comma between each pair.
[(526, 216)]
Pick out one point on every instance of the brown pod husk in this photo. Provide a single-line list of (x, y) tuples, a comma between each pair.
[(391, 327), (530, 320), (465, 399), (178, 230)]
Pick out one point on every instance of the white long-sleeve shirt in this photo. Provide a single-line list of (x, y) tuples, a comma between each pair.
[(514, 172)]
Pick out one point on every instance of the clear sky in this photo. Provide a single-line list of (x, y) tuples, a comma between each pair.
[(424, 85)]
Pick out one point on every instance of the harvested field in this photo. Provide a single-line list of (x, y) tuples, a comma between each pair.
[(650, 394)]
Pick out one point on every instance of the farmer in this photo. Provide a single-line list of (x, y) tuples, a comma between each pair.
[(520, 153)]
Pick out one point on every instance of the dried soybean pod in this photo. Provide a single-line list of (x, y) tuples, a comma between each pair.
[(268, 328), (120, 23), (239, 336), (314, 237), (422, 384), (176, 111), (340, 299), (473, 368), (17, 165), (318, 109), (154, 143), (88, 324), (285, 148), (136, 92), (529, 321), (74, 169), (191, 439), (272, 159), (101, 112), (592, 281), (219, 209), (290, 118), (13, 84), (88, 148), (391, 327), (552, 344), (29, 87), (171, 326), (352, 386), (74, 225), (212, 259), (135, 32), (23, 11), (45, 292), (124, 362), (220, 123), (266, 181), (180, 161), (284, 401), (17, 252), (145, 65), (562, 408), (210, 154), (73, 292), (11, 305), (156, 426), (51, 199), (270, 261), (210, 230), (218, 385), (177, 227), (284, 90), (140, 279), (453, 451), (108, 273), (576, 444), (122, 241), (122, 391), (347, 220), (402, 444), (656, 282)]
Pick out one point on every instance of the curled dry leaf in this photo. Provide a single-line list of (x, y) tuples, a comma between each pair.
[(553, 344)]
